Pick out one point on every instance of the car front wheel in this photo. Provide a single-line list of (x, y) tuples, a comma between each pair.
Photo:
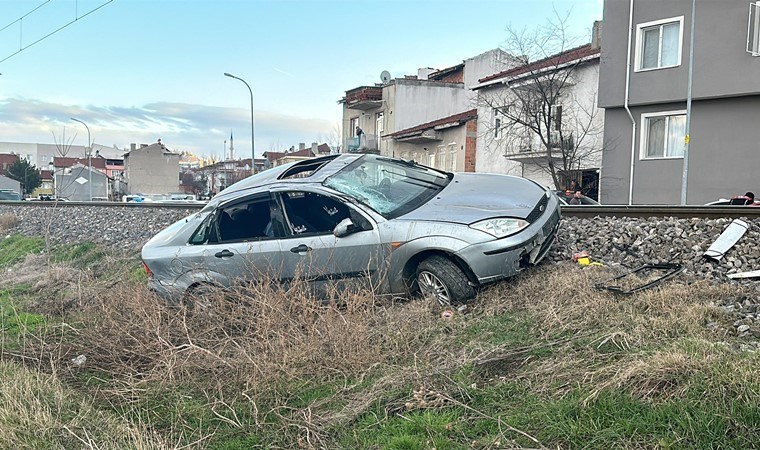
[(440, 278)]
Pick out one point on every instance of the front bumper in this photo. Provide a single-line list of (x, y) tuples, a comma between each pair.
[(502, 258)]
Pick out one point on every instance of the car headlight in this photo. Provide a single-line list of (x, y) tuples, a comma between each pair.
[(501, 227)]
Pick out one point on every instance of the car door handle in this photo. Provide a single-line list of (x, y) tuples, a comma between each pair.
[(224, 254), (303, 248)]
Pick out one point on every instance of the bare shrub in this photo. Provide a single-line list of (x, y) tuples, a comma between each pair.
[(8, 221), (247, 342)]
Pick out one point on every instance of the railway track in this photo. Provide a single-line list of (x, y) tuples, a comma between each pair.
[(703, 212)]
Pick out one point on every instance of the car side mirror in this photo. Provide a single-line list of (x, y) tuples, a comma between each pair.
[(345, 227)]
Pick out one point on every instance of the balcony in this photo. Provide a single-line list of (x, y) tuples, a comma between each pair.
[(367, 143), (364, 98)]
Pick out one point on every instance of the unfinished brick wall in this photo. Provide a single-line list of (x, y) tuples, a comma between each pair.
[(469, 145)]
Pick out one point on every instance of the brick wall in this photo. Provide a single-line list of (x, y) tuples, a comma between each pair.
[(469, 145)]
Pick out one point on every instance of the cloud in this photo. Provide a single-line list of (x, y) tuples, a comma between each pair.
[(201, 129)]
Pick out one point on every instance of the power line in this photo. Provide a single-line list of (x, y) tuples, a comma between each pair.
[(22, 48), (22, 17)]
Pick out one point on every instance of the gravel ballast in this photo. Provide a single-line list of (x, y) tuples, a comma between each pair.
[(629, 242)]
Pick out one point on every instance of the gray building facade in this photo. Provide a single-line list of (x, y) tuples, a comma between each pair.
[(151, 169), (10, 183), (643, 89), (77, 182)]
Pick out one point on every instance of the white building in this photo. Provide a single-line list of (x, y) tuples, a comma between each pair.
[(503, 147), (407, 116)]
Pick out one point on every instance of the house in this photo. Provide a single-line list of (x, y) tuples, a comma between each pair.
[(386, 118), (81, 183), (451, 142), (10, 183), (7, 160), (46, 186), (151, 170), (113, 168), (541, 120), (214, 178), (274, 159), (655, 149)]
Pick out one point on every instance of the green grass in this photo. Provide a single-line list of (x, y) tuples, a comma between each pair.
[(14, 321), (14, 249)]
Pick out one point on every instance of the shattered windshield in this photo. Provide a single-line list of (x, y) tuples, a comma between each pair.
[(389, 186)]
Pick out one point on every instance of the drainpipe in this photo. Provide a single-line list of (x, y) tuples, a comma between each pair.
[(687, 138), (625, 104)]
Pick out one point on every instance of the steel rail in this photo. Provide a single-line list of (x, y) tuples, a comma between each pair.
[(167, 205), (586, 211)]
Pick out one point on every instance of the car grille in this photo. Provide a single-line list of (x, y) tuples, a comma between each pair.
[(538, 210)]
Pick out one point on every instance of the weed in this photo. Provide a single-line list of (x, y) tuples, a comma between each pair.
[(8, 221), (14, 249)]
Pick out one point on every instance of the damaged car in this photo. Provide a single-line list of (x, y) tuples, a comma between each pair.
[(358, 221)]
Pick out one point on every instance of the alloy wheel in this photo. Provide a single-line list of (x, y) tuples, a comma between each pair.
[(432, 285)]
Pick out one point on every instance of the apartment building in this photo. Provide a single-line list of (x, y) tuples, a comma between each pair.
[(644, 87), (422, 117)]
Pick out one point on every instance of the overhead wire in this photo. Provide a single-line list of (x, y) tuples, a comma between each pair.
[(22, 17), (22, 48)]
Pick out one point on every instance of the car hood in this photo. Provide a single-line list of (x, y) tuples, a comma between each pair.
[(471, 197)]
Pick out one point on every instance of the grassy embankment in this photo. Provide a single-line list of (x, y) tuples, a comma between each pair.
[(543, 361)]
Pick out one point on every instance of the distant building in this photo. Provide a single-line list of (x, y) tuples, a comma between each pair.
[(151, 169), (10, 183), (7, 160), (42, 154), (77, 182), (274, 159)]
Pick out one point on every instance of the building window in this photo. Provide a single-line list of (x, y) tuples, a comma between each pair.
[(662, 135), (498, 122), (753, 29), (659, 44)]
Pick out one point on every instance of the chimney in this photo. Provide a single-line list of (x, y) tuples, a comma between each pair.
[(596, 34), (301, 146), (424, 72), (315, 148), (132, 146)]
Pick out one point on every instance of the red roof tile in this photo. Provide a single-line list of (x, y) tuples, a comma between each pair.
[(574, 54), (459, 118)]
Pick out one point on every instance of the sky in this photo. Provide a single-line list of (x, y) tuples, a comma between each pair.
[(140, 70)]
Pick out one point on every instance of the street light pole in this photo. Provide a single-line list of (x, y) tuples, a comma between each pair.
[(89, 153), (252, 117)]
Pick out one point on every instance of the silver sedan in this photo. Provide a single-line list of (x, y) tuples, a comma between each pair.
[(358, 221)]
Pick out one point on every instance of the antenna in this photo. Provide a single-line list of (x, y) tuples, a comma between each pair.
[(385, 76)]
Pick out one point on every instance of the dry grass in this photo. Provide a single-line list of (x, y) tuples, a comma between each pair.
[(8, 221), (31, 406), (248, 352), (244, 346), (644, 343)]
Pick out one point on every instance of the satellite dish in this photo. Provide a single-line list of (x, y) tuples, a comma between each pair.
[(385, 76)]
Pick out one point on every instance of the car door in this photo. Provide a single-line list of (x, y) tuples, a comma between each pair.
[(312, 252), (240, 244)]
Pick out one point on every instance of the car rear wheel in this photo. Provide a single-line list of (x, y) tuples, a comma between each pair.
[(443, 280)]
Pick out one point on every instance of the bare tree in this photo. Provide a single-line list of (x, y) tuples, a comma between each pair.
[(333, 138), (536, 108)]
